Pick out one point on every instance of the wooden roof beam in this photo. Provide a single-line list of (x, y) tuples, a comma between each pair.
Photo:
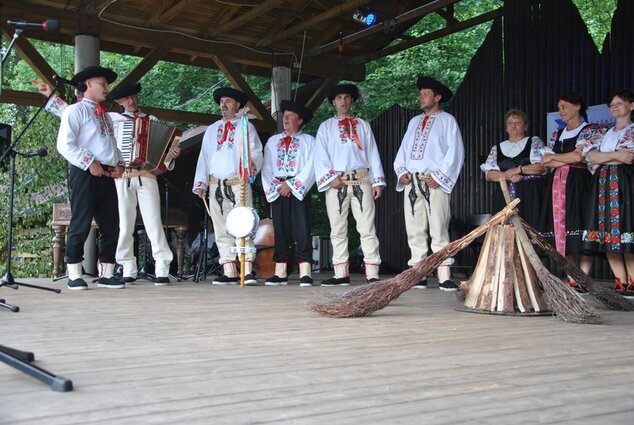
[(235, 78), (165, 16), (404, 17), (93, 7), (35, 99), (31, 56), (144, 66), (295, 8), (227, 13), (429, 37), (320, 94), (329, 14), (448, 15), (243, 18)]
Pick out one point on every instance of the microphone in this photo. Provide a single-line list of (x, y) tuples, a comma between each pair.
[(41, 153), (50, 25), (81, 86)]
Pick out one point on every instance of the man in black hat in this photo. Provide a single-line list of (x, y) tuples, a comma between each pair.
[(135, 187), (287, 176), (429, 161), (218, 170), (348, 168), (86, 140)]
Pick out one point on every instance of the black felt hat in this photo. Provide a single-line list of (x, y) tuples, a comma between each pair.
[(429, 83), (350, 89), (305, 113), (237, 95), (95, 71), (125, 90)]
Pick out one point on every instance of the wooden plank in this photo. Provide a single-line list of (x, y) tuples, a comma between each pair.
[(244, 18), (474, 285), (321, 93), (308, 23), (163, 16), (505, 290), (492, 270), (521, 292), (251, 364)]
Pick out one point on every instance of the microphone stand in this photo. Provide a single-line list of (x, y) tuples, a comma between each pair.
[(22, 360)]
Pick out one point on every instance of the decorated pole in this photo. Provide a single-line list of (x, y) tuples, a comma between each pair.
[(247, 176)]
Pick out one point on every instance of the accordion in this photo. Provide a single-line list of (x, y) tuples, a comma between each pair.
[(145, 144)]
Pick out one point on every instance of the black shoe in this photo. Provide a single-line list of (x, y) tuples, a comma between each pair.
[(77, 284), (306, 281), (276, 281), (372, 280), (448, 286), (250, 279), (110, 282), (128, 280), (161, 281), (421, 285), (225, 280), (333, 281)]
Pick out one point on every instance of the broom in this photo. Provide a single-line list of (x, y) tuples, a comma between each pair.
[(564, 300), (366, 299), (606, 296)]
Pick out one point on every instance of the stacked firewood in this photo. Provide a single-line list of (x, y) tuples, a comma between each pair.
[(504, 279)]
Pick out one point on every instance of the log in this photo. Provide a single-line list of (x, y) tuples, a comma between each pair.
[(505, 282)]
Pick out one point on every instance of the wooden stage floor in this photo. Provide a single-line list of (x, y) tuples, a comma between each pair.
[(191, 353)]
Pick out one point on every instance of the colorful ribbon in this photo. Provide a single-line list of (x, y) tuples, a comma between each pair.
[(349, 126)]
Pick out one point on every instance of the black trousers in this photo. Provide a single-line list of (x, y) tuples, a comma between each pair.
[(90, 197), (291, 222)]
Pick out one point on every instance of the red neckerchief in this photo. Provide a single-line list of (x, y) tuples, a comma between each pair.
[(225, 132), (287, 142), (350, 130), (424, 123), (100, 113)]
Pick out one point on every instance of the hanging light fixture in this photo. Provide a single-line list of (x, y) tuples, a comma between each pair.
[(365, 17)]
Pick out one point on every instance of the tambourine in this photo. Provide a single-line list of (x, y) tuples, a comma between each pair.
[(242, 222)]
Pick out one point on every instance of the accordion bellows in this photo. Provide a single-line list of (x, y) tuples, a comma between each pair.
[(145, 144)]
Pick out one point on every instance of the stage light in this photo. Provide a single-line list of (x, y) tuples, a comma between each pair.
[(364, 17)]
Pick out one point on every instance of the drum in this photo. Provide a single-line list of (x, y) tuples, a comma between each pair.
[(242, 222)]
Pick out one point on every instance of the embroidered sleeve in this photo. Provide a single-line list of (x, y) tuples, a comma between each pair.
[(56, 106), (492, 161), (537, 149)]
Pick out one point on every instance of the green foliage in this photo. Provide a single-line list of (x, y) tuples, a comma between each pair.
[(597, 15)]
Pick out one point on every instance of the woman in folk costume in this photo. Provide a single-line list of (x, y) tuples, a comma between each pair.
[(517, 161), (218, 170), (348, 168), (565, 206), (610, 225), (287, 175), (428, 164)]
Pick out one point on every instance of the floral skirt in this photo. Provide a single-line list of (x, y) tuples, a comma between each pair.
[(610, 224)]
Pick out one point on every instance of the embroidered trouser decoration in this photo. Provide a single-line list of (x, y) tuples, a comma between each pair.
[(222, 193), (412, 196), (358, 193), (424, 190), (341, 196)]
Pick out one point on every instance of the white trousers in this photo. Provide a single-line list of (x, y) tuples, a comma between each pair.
[(224, 240), (145, 194), (428, 220), (364, 220)]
